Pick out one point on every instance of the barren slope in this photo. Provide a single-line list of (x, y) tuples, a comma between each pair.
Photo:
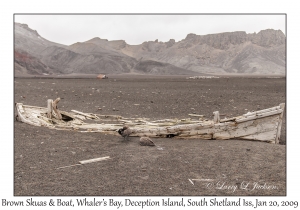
[(224, 53), (35, 55), (235, 52)]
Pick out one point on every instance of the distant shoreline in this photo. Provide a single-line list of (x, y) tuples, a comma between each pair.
[(114, 76)]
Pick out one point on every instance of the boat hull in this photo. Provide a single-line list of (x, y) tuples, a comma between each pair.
[(264, 125)]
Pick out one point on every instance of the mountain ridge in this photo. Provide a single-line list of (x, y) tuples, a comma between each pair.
[(222, 53)]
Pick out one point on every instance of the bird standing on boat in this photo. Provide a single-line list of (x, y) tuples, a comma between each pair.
[(125, 132), (146, 141)]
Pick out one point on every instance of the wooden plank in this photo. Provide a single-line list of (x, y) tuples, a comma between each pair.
[(279, 124), (216, 116), (49, 108), (67, 114), (80, 117), (266, 114), (20, 108), (94, 160), (262, 111), (35, 107), (261, 125), (47, 120), (55, 111), (228, 119), (172, 129), (268, 136), (224, 124), (196, 115), (109, 116), (84, 114)]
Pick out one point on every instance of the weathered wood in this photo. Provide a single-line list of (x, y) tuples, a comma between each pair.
[(228, 119), (282, 105), (52, 110), (196, 115), (261, 115), (55, 111), (216, 117), (85, 162), (80, 117), (110, 117), (35, 107), (264, 125), (49, 108), (23, 118), (247, 128), (262, 111), (46, 119), (94, 160), (268, 136), (84, 114), (20, 108)]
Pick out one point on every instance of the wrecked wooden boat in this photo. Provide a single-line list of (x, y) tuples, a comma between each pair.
[(263, 125)]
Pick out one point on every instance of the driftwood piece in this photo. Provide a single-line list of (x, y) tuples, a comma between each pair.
[(85, 162), (94, 160)]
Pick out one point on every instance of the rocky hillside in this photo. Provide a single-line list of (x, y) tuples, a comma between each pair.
[(36, 55), (235, 52), (224, 53)]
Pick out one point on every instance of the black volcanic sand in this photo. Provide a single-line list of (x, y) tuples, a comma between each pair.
[(137, 170)]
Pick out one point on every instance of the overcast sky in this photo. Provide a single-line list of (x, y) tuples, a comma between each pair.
[(135, 29)]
